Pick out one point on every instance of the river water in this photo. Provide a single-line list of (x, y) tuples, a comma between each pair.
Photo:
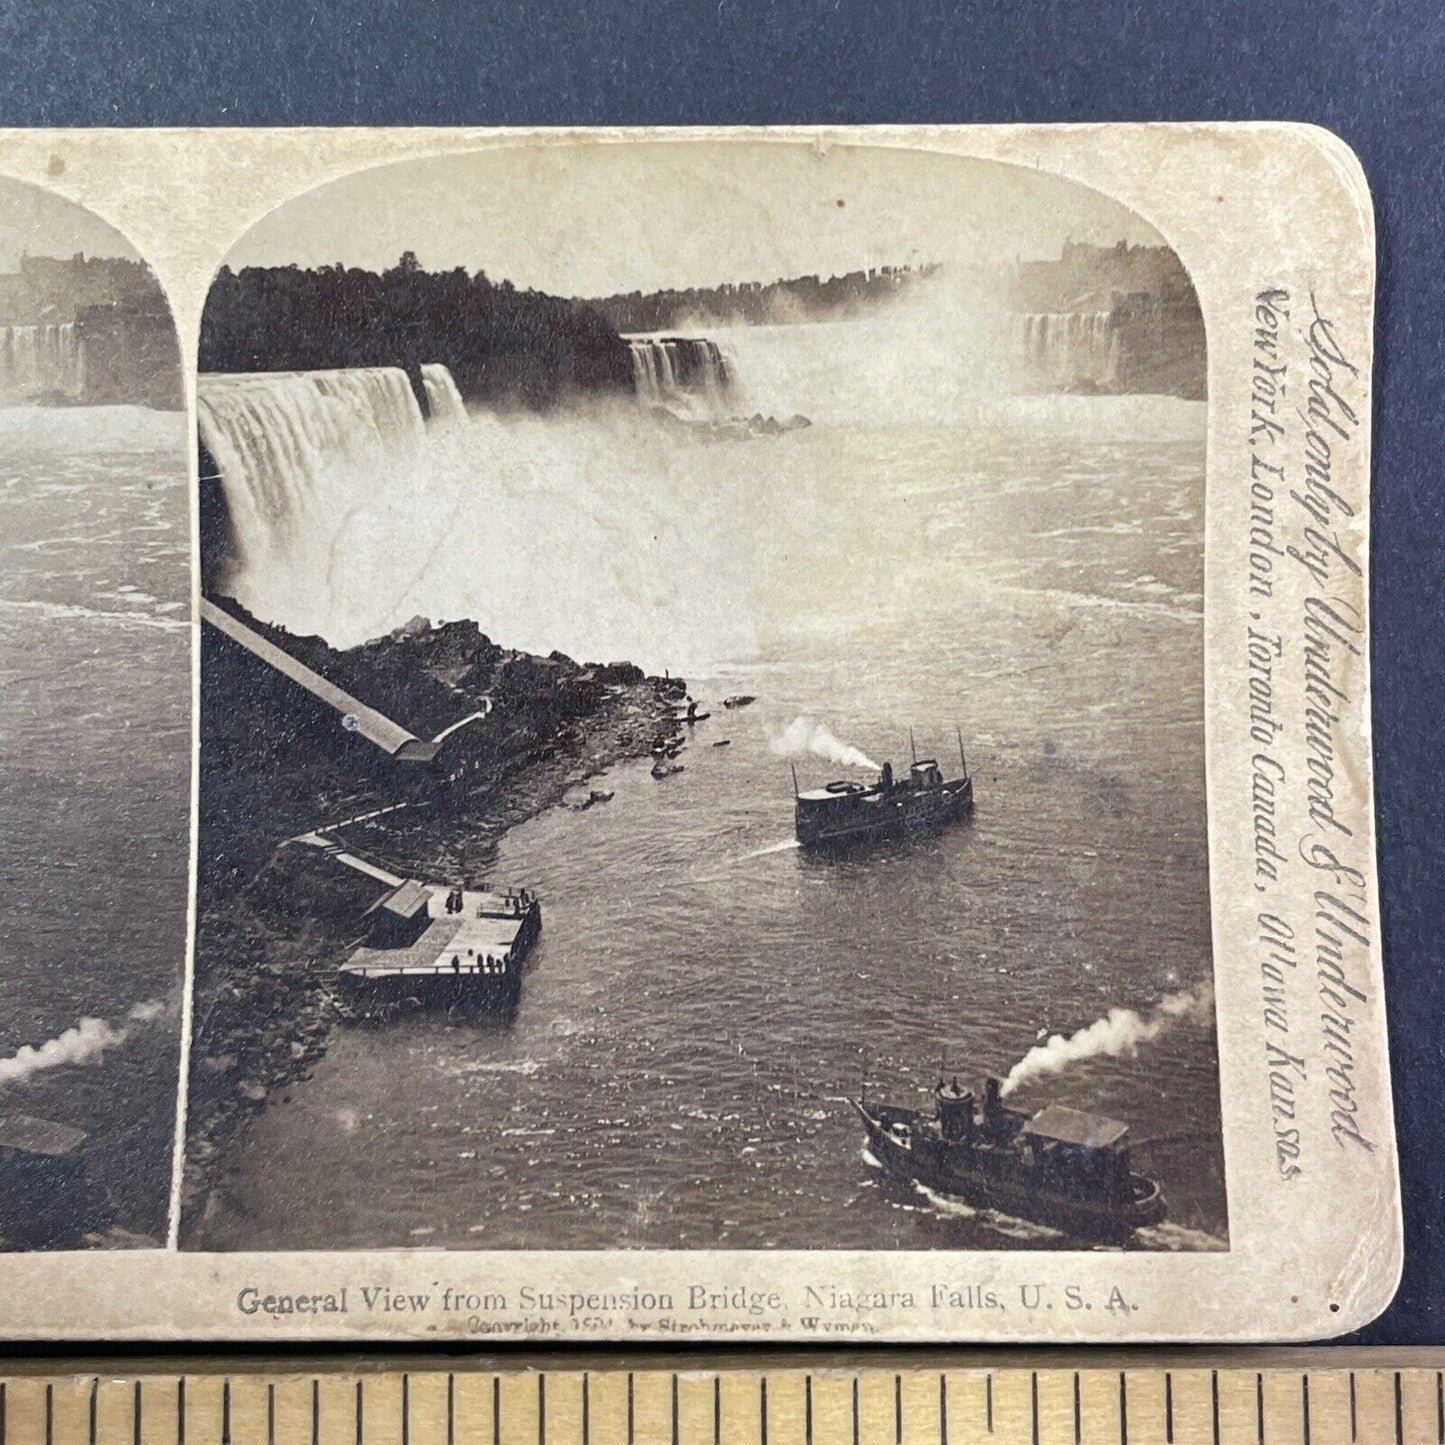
[(95, 691), (704, 996)]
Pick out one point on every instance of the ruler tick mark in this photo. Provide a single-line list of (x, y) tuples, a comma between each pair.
[(70, 1410), (630, 1416)]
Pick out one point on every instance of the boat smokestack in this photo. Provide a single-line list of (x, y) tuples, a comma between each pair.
[(955, 1111), (992, 1103)]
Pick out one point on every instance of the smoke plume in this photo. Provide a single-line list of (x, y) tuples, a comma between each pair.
[(803, 737), (1117, 1035), (83, 1043)]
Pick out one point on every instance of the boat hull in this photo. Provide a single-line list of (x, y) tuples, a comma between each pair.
[(905, 816), (998, 1187)]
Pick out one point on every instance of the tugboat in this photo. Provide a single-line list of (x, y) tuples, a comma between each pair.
[(1059, 1167), (847, 813)]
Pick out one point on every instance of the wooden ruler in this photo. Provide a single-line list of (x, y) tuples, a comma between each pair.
[(1273, 1398)]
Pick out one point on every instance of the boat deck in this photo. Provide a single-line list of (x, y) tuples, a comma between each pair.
[(487, 927)]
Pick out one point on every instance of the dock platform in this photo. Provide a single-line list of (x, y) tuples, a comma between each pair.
[(444, 946)]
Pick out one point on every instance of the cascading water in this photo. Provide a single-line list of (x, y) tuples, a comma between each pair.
[(1064, 351), (444, 401), (590, 528), (583, 530), (293, 447), (670, 371), (41, 360)]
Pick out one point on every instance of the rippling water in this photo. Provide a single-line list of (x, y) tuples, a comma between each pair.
[(95, 680), (704, 996)]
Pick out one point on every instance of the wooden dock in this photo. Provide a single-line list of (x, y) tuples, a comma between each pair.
[(484, 932), (459, 947)]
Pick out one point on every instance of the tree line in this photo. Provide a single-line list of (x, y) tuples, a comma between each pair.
[(500, 344), (798, 298)]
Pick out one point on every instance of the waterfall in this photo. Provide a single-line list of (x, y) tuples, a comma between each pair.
[(1071, 350), (678, 371), (36, 361), (289, 447), (443, 399), (331, 507)]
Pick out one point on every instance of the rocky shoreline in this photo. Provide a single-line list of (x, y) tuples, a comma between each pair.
[(267, 951)]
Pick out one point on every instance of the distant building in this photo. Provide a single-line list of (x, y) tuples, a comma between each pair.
[(58, 288), (107, 322)]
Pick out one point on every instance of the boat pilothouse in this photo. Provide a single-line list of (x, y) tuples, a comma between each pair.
[(1060, 1167), (848, 812)]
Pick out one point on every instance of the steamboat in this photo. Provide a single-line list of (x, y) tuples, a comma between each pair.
[(1059, 1167), (848, 813)]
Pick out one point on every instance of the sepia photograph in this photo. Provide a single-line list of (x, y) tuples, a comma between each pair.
[(702, 720), (95, 707)]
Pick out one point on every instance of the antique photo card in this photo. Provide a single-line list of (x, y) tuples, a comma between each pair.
[(779, 735)]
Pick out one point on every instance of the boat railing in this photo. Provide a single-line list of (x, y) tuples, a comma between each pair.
[(442, 970), (509, 914)]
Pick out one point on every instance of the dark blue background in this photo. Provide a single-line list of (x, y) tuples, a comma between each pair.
[(1372, 72)]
